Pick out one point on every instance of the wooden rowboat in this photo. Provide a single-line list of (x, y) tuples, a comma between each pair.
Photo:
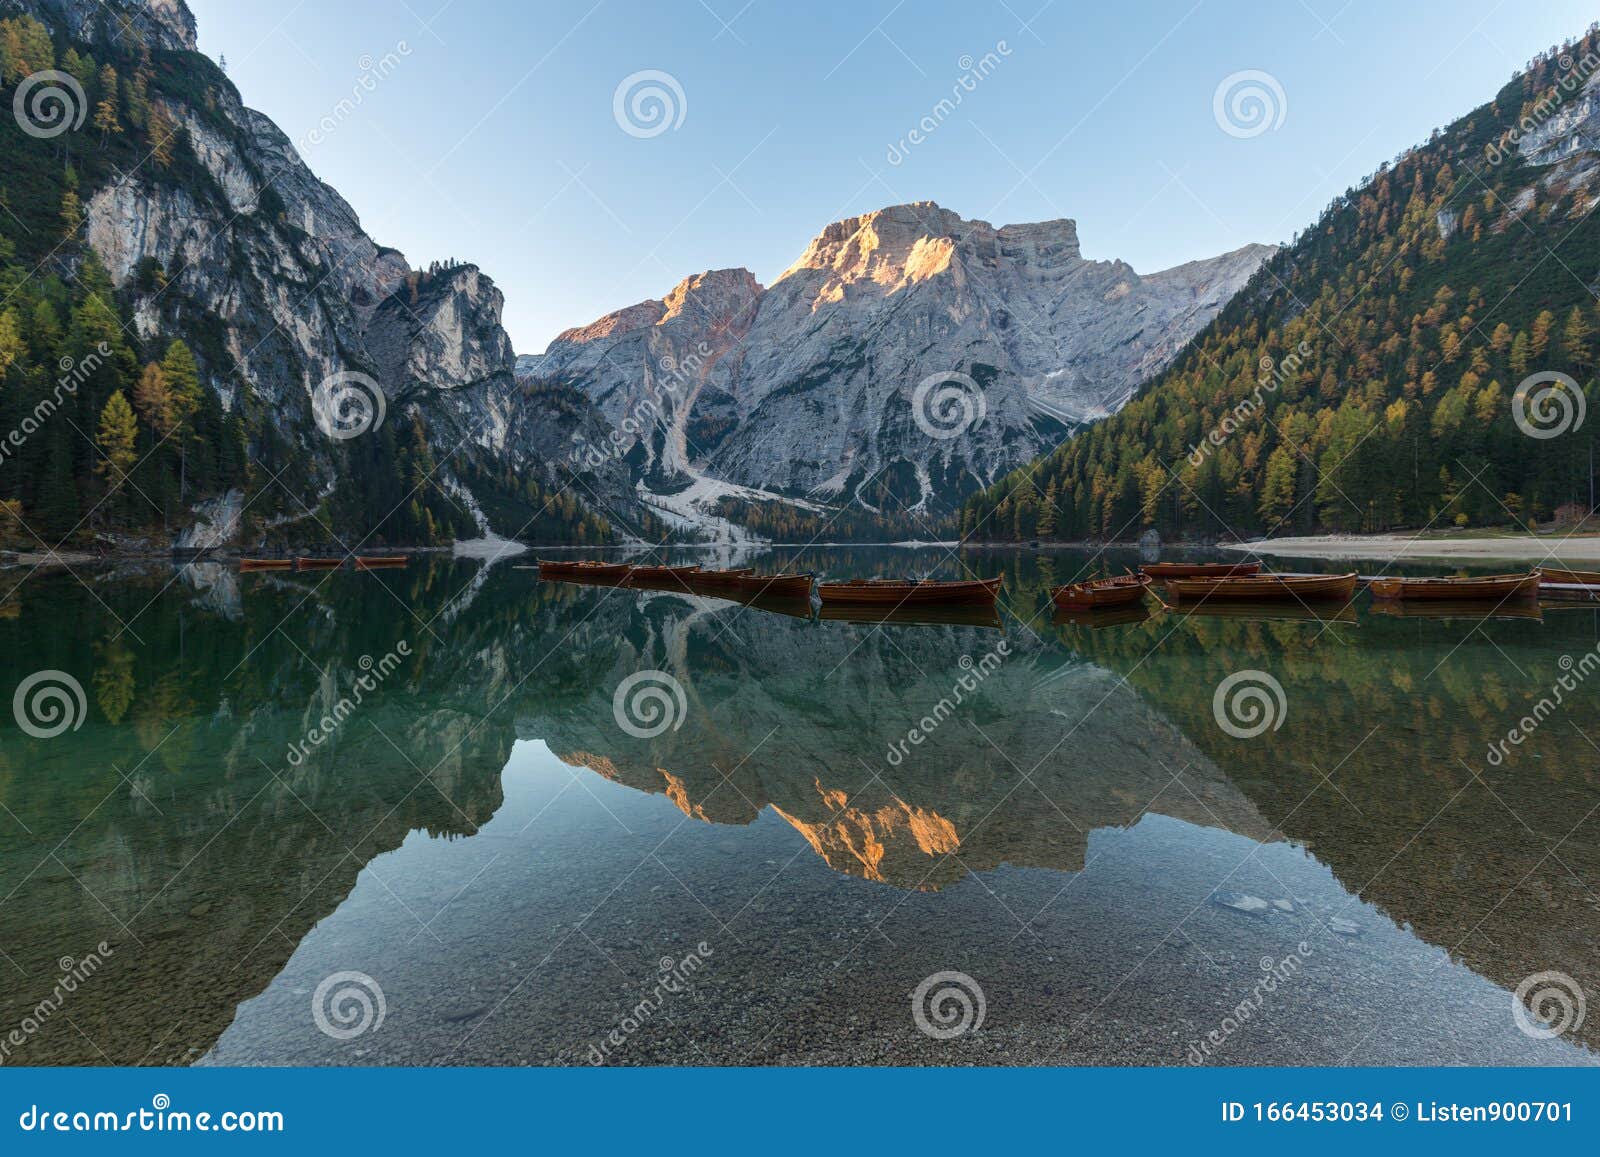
[(379, 561), (897, 592), (1266, 587), (304, 563), (1107, 592), (1161, 571), (776, 586), (1497, 587), (1587, 578), (675, 577), (583, 568), (266, 564), (721, 579)]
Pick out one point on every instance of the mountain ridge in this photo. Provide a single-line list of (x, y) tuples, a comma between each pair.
[(803, 390)]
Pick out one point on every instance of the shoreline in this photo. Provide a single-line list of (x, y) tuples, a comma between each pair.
[(1530, 548)]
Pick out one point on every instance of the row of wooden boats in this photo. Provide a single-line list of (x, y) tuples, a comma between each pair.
[(744, 581), (310, 562), (1247, 582)]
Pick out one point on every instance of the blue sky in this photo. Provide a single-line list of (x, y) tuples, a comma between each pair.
[(491, 136)]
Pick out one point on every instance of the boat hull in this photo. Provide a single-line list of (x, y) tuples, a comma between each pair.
[(721, 580), (1587, 578), (318, 563), (775, 586), (980, 592), (1117, 592), (1491, 587), (587, 570), (1161, 571), (266, 564), (1265, 588), (381, 562)]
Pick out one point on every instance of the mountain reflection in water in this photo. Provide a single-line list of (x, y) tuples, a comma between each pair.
[(1072, 829)]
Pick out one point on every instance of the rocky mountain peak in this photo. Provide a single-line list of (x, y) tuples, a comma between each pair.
[(717, 294), (164, 23)]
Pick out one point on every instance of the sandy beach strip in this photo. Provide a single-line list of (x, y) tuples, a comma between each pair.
[(1529, 548)]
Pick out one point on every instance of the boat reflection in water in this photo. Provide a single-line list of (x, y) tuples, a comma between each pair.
[(508, 844)]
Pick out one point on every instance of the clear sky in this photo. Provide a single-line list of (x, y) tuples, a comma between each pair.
[(492, 136)]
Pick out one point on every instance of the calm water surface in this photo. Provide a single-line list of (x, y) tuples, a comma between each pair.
[(486, 860)]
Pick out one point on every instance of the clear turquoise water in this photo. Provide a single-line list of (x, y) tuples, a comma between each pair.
[(485, 843)]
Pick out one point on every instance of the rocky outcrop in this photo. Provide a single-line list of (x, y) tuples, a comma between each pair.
[(274, 267), (810, 388)]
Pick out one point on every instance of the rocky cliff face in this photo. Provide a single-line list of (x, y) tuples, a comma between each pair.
[(908, 355), (268, 273)]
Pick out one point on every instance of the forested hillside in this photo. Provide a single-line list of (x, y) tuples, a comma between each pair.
[(174, 284), (1366, 379)]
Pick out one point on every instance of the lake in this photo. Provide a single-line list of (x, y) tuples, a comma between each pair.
[(451, 814)]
